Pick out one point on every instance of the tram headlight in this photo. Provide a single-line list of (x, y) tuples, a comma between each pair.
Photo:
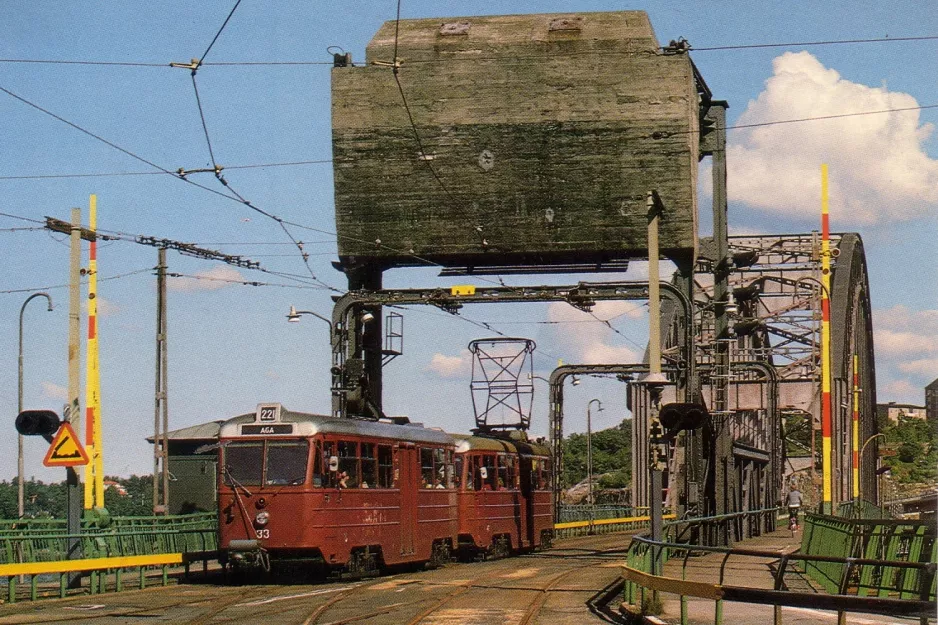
[(262, 518)]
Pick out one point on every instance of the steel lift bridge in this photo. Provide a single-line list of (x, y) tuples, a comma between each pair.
[(762, 368)]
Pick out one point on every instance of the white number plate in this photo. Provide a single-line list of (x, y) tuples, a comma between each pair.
[(262, 533)]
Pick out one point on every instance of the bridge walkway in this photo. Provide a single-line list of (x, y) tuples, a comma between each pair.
[(753, 573)]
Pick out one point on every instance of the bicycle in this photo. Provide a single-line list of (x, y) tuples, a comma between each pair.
[(793, 518)]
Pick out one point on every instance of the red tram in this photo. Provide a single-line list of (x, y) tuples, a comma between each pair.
[(357, 495)]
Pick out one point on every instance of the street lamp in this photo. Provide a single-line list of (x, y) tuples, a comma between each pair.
[(20, 500), (860, 459), (589, 449), (294, 316)]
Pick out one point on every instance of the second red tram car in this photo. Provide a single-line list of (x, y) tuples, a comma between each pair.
[(357, 495)]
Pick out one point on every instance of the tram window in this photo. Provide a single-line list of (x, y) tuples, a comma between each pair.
[(457, 473), (545, 475), (504, 479), (369, 475), (488, 480), (440, 477), (244, 462), (348, 464), (385, 467), (317, 465), (426, 467), (474, 481), (286, 462), (450, 473)]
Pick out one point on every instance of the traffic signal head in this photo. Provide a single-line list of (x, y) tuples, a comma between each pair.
[(682, 416), (43, 423)]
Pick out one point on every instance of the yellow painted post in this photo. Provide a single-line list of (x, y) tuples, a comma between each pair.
[(856, 428), (826, 408), (91, 362)]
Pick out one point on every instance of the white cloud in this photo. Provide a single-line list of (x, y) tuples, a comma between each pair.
[(878, 169), (54, 391), (218, 277), (902, 391), (451, 366), (590, 340), (925, 367), (899, 331)]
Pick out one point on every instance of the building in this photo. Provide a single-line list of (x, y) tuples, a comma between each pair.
[(192, 469), (931, 401), (893, 411)]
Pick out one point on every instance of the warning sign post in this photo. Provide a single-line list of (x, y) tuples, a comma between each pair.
[(65, 450)]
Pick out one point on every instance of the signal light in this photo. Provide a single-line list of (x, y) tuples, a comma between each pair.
[(679, 416), (43, 423)]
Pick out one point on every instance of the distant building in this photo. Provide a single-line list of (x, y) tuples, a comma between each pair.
[(931, 401), (116, 486), (893, 411)]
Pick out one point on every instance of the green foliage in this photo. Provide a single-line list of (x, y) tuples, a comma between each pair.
[(612, 454), (797, 428), (48, 500), (916, 444)]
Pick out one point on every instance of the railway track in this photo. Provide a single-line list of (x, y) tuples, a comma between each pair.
[(546, 587)]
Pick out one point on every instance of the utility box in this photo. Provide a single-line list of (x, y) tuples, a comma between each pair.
[(524, 139)]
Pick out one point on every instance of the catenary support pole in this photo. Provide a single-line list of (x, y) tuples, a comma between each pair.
[(159, 397), (826, 416), (73, 497), (856, 426)]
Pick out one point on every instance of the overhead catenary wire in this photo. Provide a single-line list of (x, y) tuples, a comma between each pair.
[(732, 47), (176, 174), (113, 145), (64, 286), (163, 173)]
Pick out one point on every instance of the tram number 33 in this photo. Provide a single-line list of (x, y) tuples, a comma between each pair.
[(262, 533)]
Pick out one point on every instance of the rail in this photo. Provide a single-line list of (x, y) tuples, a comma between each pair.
[(639, 580)]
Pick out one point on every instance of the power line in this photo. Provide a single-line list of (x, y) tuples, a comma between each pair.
[(218, 34), (800, 44), (243, 282), (163, 173), (182, 177), (63, 286), (21, 218), (792, 44)]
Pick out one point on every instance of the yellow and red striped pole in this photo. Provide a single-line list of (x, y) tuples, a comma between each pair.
[(826, 417), (94, 470), (856, 426)]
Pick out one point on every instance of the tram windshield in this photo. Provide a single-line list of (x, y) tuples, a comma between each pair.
[(285, 462)]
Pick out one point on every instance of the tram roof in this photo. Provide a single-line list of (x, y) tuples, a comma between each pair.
[(309, 424), (466, 442)]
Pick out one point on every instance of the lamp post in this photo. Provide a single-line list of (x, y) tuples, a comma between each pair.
[(589, 450), (860, 456), (20, 500), (294, 316)]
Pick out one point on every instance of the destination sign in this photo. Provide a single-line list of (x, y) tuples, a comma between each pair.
[(275, 428)]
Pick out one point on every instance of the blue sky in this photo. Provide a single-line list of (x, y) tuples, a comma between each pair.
[(230, 345)]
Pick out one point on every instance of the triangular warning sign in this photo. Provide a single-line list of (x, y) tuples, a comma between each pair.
[(65, 450)]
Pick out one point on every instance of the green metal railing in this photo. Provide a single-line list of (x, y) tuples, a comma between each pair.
[(586, 512), (861, 509), (47, 541), (871, 540), (639, 580)]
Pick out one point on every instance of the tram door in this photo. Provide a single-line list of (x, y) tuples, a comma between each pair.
[(407, 484)]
